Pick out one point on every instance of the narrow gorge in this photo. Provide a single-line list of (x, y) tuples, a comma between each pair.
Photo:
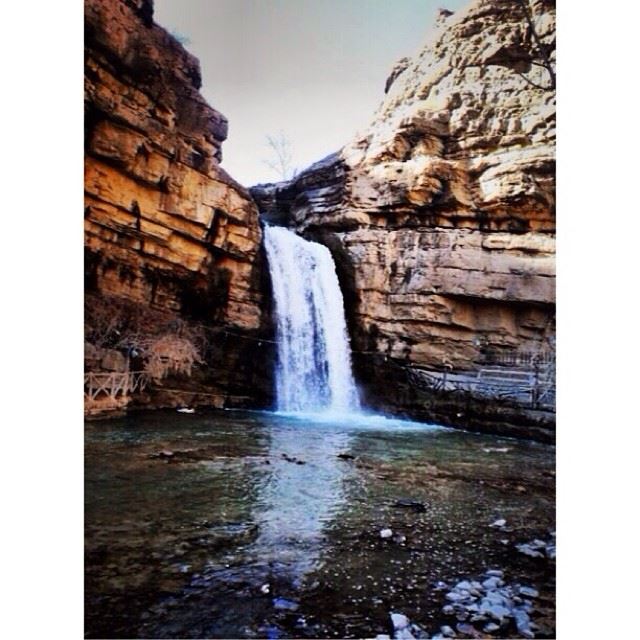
[(322, 407), (439, 217)]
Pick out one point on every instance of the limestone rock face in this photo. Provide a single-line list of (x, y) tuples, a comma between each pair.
[(164, 224), (441, 214)]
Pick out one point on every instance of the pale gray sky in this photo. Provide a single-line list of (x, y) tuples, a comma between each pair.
[(314, 69)]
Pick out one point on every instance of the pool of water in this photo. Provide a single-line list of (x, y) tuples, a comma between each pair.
[(230, 524)]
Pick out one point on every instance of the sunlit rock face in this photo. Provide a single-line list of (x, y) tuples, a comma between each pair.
[(442, 211), (164, 224)]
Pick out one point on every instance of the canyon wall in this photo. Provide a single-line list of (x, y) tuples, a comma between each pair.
[(441, 214), (167, 231)]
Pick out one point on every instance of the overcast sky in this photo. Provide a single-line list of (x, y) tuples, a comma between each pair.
[(314, 69)]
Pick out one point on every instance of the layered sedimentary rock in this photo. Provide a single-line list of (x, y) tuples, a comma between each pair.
[(441, 214), (162, 218), (165, 226)]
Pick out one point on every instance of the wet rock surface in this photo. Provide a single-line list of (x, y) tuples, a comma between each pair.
[(213, 542)]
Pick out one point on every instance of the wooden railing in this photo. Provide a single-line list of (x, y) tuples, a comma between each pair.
[(113, 384), (534, 387)]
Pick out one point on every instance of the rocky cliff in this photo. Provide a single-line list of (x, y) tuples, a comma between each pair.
[(166, 228), (441, 213)]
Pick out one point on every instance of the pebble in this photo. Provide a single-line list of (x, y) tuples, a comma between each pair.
[(468, 630), (528, 550), (399, 621), (401, 626), (447, 632), (523, 624), (264, 588), (493, 603), (498, 612), (285, 605), (385, 533), (492, 583), (501, 522), (528, 592)]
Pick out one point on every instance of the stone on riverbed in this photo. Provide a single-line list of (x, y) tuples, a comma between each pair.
[(401, 627), (498, 612), (528, 550), (386, 533), (538, 549), (465, 584), (523, 623), (468, 630), (416, 506), (492, 583), (285, 605), (493, 604)]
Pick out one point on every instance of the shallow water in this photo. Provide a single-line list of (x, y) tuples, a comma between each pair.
[(251, 524)]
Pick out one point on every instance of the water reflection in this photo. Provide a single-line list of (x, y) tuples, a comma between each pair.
[(300, 497), (188, 517)]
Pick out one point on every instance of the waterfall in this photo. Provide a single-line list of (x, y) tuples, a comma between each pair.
[(314, 359)]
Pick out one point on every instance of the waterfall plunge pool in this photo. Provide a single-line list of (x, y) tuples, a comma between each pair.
[(235, 524)]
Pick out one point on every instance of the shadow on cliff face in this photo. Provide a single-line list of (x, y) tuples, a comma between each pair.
[(346, 273)]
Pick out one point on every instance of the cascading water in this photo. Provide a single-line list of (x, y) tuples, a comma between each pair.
[(314, 359)]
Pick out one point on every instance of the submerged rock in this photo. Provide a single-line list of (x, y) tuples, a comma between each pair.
[(416, 506), (285, 605)]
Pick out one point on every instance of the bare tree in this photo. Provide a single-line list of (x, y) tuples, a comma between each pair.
[(281, 160), (171, 354), (542, 50)]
